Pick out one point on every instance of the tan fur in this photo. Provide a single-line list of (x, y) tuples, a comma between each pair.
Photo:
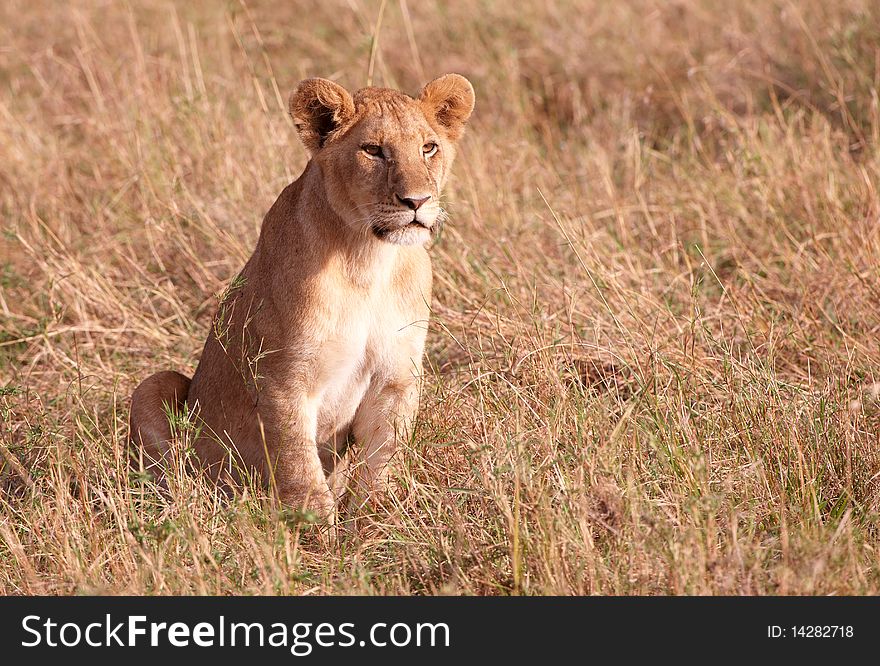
[(320, 338)]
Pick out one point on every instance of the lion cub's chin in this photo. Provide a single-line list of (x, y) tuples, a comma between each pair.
[(411, 234)]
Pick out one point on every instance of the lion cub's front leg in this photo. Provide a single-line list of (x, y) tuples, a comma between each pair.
[(299, 478), (384, 418), (296, 467)]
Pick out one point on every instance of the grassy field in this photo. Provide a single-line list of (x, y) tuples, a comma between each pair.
[(654, 360)]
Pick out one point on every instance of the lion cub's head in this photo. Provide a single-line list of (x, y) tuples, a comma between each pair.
[(384, 155)]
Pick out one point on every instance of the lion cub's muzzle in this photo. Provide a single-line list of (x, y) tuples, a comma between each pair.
[(416, 224)]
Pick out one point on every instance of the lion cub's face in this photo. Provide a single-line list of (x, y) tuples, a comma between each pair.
[(384, 156)]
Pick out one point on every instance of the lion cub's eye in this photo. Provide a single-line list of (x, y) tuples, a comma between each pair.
[(372, 150), (429, 149)]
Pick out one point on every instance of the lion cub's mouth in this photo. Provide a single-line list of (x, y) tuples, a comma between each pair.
[(384, 232)]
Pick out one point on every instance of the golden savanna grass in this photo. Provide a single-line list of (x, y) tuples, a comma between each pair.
[(654, 360)]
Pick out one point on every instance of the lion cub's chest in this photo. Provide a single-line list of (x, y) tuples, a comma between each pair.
[(363, 349)]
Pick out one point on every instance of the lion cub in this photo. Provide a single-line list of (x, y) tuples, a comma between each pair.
[(319, 339)]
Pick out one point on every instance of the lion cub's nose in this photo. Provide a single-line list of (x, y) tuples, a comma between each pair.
[(413, 203)]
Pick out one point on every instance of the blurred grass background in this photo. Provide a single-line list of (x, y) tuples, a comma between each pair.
[(654, 360)]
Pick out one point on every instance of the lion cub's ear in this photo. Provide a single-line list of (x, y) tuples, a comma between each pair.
[(319, 107), (450, 100)]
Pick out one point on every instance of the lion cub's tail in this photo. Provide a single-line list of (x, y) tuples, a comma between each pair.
[(149, 429)]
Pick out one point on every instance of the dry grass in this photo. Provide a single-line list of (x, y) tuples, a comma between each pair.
[(655, 351)]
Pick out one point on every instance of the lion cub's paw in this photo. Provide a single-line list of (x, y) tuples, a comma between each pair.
[(316, 503)]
